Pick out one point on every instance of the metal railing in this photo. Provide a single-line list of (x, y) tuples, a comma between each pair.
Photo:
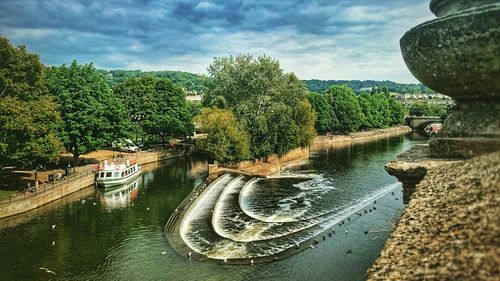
[(55, 185), (80, 174)]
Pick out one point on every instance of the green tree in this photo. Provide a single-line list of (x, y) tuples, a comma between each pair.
[(28, 114), (397, 111), (365, 103), (171, 114), (264, 100), (137, 95), (227, 142), (93, 116), (346, 107), (326, 120), (381, 114)]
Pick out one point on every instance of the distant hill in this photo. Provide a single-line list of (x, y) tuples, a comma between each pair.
[(189, 81), (193, 82), (320, 86)]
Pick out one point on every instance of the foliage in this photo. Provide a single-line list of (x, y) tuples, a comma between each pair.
[(423, 108), (340, 110), (226, 142), (360, 86), (156, 106), (93, 116), (346, 107), (28, 114), (270, 105), (326, 120), (189, 81)]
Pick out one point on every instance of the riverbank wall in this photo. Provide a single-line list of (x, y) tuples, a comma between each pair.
[(80, 179), (274, 163), (450, 228)]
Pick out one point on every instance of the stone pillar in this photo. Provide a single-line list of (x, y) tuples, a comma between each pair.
[(456, 54)]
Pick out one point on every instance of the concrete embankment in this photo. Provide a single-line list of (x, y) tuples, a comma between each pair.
[(82, 178), (272, 164), (450, 229)]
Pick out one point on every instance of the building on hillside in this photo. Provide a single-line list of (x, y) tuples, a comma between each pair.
[(194, 98)]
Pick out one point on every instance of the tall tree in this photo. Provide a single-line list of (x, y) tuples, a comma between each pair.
[(93, 116), (326, 120), (171, 115), (227, 142), (264, 100), (138, 96), (28, 114), (346, 108)]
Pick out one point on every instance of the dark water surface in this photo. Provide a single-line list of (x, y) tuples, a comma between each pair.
[(119, 235)]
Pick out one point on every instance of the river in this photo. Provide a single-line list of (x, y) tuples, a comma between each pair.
[(120, 236)]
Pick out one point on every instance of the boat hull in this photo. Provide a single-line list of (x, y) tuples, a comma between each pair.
[(106, 183)]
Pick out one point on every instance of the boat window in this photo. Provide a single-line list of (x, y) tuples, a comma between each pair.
[(123, 174), (116, 175), (108, 174), (101, 174)]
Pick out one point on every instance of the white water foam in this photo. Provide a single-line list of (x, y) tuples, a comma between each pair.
[(291, 208), (232, 249), (198, 209)]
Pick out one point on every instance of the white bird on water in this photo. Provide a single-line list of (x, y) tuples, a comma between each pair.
[(53, 243), (312, 247), (164, 252), (47, 270), (251, 261), (53, 226), (147, 208), (346, 232)]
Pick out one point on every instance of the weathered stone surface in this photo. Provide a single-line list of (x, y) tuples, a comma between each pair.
[(474, 118), (457, 55), (446, 7), (411, 166), (451, 228), (463, 147)]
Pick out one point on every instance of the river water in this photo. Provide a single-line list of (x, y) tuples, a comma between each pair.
[(93, 235)]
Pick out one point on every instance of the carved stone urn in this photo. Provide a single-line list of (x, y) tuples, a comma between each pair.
[(458, 54)]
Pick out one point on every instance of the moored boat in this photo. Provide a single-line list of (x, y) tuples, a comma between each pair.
[(113, 174)]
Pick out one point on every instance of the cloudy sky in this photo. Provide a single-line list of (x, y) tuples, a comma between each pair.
[(322, 39)]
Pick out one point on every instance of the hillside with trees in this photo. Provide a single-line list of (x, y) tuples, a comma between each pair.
[(193, 82), (359, 86), (189, 81)]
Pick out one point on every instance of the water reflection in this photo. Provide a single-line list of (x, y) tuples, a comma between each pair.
[(119, 196), (92, 243)]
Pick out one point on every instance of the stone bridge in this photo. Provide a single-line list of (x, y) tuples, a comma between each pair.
[(420, 122)]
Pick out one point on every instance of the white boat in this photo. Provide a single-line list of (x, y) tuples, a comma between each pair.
[(120, 195), (112, 174)]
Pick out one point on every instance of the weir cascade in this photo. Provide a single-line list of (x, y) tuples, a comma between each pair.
[(244, 220)]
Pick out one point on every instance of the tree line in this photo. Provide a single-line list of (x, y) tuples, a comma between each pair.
[(359, 86), (339, 109), (44, 110), (251, 109)]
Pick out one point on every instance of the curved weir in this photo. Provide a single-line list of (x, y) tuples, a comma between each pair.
[(217, 225)]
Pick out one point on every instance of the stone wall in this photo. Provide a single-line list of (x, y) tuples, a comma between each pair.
[(51, 192)]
